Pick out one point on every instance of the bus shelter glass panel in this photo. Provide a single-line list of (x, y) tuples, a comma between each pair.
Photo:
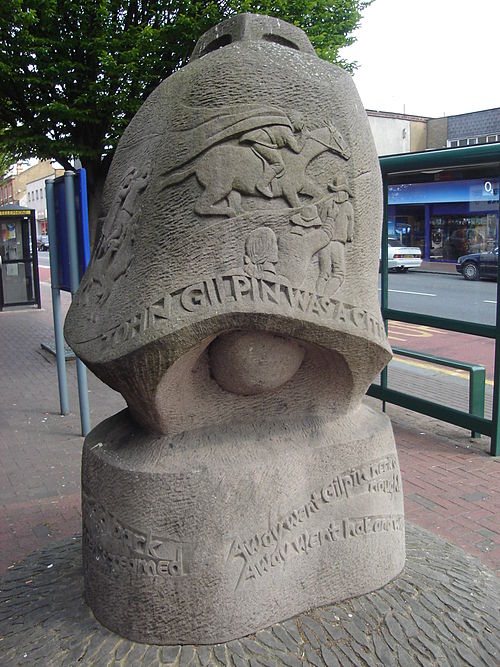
[(448, 218), (18, 277)]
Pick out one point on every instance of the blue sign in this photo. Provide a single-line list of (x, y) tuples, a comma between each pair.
[(474, 190), (62, 280)]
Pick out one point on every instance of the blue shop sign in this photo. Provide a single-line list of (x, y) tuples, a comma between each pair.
[(474, 190)]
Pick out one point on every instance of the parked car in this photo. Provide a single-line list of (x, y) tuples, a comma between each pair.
[(43, 242), (478, 265), (401, 258)]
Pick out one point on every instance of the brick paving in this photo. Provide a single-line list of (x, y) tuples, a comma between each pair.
[(39, 449), (451, 485)]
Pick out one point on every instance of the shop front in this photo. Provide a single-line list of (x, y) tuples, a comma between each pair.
[(446, 218)]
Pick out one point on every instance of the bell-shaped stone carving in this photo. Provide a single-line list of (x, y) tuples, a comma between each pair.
[(232, 300)]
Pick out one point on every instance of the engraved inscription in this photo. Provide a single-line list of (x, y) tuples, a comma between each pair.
[(123, 550), (212, 295), (290, 535), (371, 525), (258, 563)]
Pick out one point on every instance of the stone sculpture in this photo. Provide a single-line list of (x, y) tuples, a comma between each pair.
[(232, 300)]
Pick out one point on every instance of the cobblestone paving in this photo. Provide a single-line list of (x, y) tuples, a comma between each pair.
[(442, 611)]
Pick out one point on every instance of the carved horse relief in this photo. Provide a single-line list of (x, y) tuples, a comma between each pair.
[(231, 169)]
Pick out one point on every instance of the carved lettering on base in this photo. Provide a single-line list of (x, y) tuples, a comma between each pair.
[(290, 536), (123, 550)]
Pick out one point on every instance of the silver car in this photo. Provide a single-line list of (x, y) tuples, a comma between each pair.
[(401, 258)]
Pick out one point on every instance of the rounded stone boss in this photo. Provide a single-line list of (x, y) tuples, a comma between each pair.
[(232, 299)]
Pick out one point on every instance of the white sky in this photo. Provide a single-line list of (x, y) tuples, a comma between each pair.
[(428, 57)]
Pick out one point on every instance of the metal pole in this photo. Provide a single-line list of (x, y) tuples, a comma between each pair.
[(56, 300), (495, 438), (384, 273), (34, 264), (81, 371)]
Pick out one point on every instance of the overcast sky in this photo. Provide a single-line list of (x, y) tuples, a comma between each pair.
[(428, 57)]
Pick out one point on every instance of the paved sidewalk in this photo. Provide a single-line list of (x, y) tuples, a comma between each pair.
[(451, 485), (40, 450), (437, 267)]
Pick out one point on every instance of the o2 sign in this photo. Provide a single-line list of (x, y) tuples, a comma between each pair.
[(490, 188)]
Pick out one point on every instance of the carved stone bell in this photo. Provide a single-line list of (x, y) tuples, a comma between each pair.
[(232, 300)]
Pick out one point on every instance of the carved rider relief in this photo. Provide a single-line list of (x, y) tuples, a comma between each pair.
[(263, 154), (231, 192), (254, 152)]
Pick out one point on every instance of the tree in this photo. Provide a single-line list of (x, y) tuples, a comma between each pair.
[(74, 72)]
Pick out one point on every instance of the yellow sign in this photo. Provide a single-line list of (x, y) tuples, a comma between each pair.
[(17, 213)]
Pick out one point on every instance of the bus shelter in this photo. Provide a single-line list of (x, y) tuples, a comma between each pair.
[(19, 280)]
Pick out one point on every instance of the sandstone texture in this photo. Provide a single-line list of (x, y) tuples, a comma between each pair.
[(232, 300)]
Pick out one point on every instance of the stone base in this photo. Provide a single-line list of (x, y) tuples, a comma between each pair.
[(216, 533), (442, 611)]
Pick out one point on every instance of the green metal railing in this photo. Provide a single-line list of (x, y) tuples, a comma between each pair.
[(487, 155), (477, 378)]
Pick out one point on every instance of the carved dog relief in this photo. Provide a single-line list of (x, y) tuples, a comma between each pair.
[(232, 299)]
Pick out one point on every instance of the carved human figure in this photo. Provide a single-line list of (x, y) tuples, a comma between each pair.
[(297, 247), (332, 257), (267, 143), (118, 235), (118, 218), (261, 253)]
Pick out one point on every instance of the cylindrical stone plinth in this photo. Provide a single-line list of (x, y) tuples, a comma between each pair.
[(217, 532)]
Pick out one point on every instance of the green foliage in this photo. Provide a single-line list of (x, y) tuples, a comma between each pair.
[(7, 159), (74, 72)]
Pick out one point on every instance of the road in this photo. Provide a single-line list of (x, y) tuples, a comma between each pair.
[(444, 296), (43, 258), (448, 296)]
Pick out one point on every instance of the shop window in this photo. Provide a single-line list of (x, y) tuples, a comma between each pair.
[(481, 140), (462, 142), (492, 138), (452, 235), (472, 141)]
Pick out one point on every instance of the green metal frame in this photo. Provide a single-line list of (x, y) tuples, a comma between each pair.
[(485, 155), (477, 378)]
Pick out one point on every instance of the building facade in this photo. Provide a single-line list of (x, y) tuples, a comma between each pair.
[(467, 129), (446, 214), (26, 187), (398, 133)]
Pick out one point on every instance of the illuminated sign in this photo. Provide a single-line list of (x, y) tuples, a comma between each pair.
[(16, 213), (473, 190)]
